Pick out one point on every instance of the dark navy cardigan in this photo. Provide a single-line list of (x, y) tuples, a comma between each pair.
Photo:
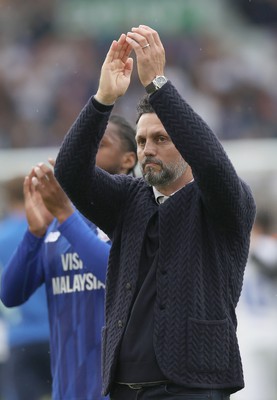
[(204, 240)]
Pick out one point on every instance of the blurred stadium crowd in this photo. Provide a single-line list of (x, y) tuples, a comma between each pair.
[(48, 68)]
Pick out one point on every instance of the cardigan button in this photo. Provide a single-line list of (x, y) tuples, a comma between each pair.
[(128, 286), (120, 323), (162, 307)]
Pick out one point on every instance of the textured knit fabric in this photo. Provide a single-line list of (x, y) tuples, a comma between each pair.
[(71, 261), (204, 240)]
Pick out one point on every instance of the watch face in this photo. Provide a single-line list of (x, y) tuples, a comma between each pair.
[(160, 80), (156, 84)]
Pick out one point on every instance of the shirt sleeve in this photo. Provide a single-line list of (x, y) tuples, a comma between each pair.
[(93, 251), (23, 273)]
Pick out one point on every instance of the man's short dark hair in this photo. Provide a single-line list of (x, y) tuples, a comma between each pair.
[(144, 107)]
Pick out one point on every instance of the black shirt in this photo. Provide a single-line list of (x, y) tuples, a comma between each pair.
[(137, 361)]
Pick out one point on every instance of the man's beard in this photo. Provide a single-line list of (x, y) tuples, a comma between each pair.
[(168, 172)]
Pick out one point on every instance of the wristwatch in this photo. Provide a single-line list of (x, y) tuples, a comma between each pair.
[(156, 84)]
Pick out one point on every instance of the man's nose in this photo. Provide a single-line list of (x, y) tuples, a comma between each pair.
[(150, 148)]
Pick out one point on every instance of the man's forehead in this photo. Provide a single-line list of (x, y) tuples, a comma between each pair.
[(151, 130)]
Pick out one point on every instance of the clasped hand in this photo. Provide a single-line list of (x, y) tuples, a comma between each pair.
[(44, 199), (117, 68)]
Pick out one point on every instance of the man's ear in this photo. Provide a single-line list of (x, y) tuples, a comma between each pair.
[(128, 161)]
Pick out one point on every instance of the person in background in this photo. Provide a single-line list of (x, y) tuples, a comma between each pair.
[(26, 372), (180, 236), (257, 312), (68, 254)]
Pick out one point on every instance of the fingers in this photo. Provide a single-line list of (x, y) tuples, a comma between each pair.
[(43, 172), (144, 35), (35, 181), (42, 178), (119, 50), (149, 51), (129, 67), (136, 42), (151, 34), (125, 51), (51, 193), (52, 161), (110, 55), (26, 186), (138, 38)]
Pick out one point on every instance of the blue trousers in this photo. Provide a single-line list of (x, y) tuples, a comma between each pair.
[(166, 391)]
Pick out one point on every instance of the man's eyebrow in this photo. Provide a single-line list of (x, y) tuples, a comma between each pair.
[(155, 133), (139, 136)]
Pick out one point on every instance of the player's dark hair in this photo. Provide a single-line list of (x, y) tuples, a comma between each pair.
[(126, 132)]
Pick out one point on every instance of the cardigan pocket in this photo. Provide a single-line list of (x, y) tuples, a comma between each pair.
[(208, 345)]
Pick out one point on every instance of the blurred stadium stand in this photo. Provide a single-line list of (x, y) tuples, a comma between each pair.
[(222, 59), (51, 53)]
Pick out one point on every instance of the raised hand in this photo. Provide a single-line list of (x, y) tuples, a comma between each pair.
[(53, 196), (38, 216), (115, 72), (149, 50)]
